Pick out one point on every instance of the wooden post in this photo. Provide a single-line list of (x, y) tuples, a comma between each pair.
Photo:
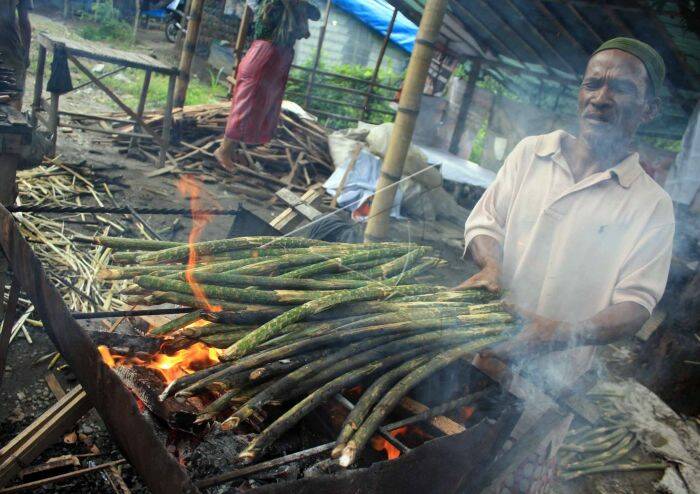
[(375, 74), (188, 49), (66, 8), (137, 17), (53, 121), (167, 122), (405, 123), (141, 106), (240, 39), (317, 59), (38, 84), (464, 107)]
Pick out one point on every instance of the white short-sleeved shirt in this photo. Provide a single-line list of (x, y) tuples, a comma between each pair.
[(572, 249)]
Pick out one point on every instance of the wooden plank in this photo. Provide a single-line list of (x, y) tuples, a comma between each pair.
[(443, 424), (301, 205), (42, 433), (103, 53), (290, 217), (54, 385)]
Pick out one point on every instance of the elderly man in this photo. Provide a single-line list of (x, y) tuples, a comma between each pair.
[(573, 229), (15, 39)]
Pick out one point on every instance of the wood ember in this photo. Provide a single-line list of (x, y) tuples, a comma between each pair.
[(296, 158)]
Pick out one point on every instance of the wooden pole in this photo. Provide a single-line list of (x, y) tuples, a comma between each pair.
[(375, 74), (317, 59), (240, 39), (464, 107), (137, 18), (405, 123), (187, 55)]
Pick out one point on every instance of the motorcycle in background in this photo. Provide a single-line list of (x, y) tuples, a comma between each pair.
[(174, 20)]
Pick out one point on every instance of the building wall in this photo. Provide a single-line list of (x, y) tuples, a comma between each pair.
[(348, 41)]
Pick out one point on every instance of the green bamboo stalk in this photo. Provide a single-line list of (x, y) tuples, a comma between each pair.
[(407, 275), (371, 395), (628, 467), (257, 376), (390, 400), (212, 329), (280, 263), (600, 443), (615, 453), (437, 314), (403, 346), (237, 295), (223, 340), (391, 268), (337, 263), (177, 323), (274, 327), (127, 273), (191, 301), (226, 245), (247, 315), (230, 279), (122, 243), (293, 378)]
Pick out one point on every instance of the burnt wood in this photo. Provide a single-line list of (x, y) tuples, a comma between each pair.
[(135, 438)]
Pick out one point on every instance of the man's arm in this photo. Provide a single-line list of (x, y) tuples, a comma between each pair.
[(541, 335), (487, 254), (25, 27)]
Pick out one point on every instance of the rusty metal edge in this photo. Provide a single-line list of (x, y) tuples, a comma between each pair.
[(112, 400)]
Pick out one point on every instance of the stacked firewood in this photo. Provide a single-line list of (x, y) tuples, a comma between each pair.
[(300, 320), (296, 158)]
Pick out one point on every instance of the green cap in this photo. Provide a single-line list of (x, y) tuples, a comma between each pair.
[(650, 58)]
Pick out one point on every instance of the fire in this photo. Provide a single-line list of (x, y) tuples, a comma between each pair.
[(182, 362), (189, 185), (381, 444), (465, 413)]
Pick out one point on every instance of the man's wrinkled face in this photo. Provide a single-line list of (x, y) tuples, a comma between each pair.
[(614, 98)]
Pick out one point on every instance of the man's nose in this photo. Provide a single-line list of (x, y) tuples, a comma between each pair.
[(602, 96)]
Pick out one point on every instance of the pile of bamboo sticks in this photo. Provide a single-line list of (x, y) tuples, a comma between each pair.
[(296, 158), (607, 448), (73, 265), (324, 317)]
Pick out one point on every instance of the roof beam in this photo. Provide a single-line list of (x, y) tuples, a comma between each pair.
[(560, 27), (584, 22), (493, 37), (544, 40), (599, 3), (511, 32)]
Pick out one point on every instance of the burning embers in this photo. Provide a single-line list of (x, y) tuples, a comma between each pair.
[(181, 363)]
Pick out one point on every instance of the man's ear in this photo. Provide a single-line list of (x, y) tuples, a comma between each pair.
[(652, 109)]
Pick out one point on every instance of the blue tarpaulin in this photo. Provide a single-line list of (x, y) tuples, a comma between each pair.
[(376, 14)]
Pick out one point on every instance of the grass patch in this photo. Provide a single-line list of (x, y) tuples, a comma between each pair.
[(198, 92)]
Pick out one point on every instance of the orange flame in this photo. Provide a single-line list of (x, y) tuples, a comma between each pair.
[(380, 444), (182, 362), (465, 413), (189, 185)]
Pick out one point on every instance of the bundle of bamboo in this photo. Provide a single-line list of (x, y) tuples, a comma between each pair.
[(325, 317)]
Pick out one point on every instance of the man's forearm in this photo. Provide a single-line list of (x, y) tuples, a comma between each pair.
[(486, 251), (613, 323)]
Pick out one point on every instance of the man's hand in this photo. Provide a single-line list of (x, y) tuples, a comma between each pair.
[(488, 278), (540, 335)]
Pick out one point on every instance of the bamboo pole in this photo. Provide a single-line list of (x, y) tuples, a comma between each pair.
[(191, 37), (465, 106), (240, 38), (405, 123), (317, 58), (380, 59)]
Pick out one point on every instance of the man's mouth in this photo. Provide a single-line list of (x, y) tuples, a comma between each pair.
[(596, 119)]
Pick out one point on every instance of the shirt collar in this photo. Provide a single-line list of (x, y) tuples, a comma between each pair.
[(625, 172)]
